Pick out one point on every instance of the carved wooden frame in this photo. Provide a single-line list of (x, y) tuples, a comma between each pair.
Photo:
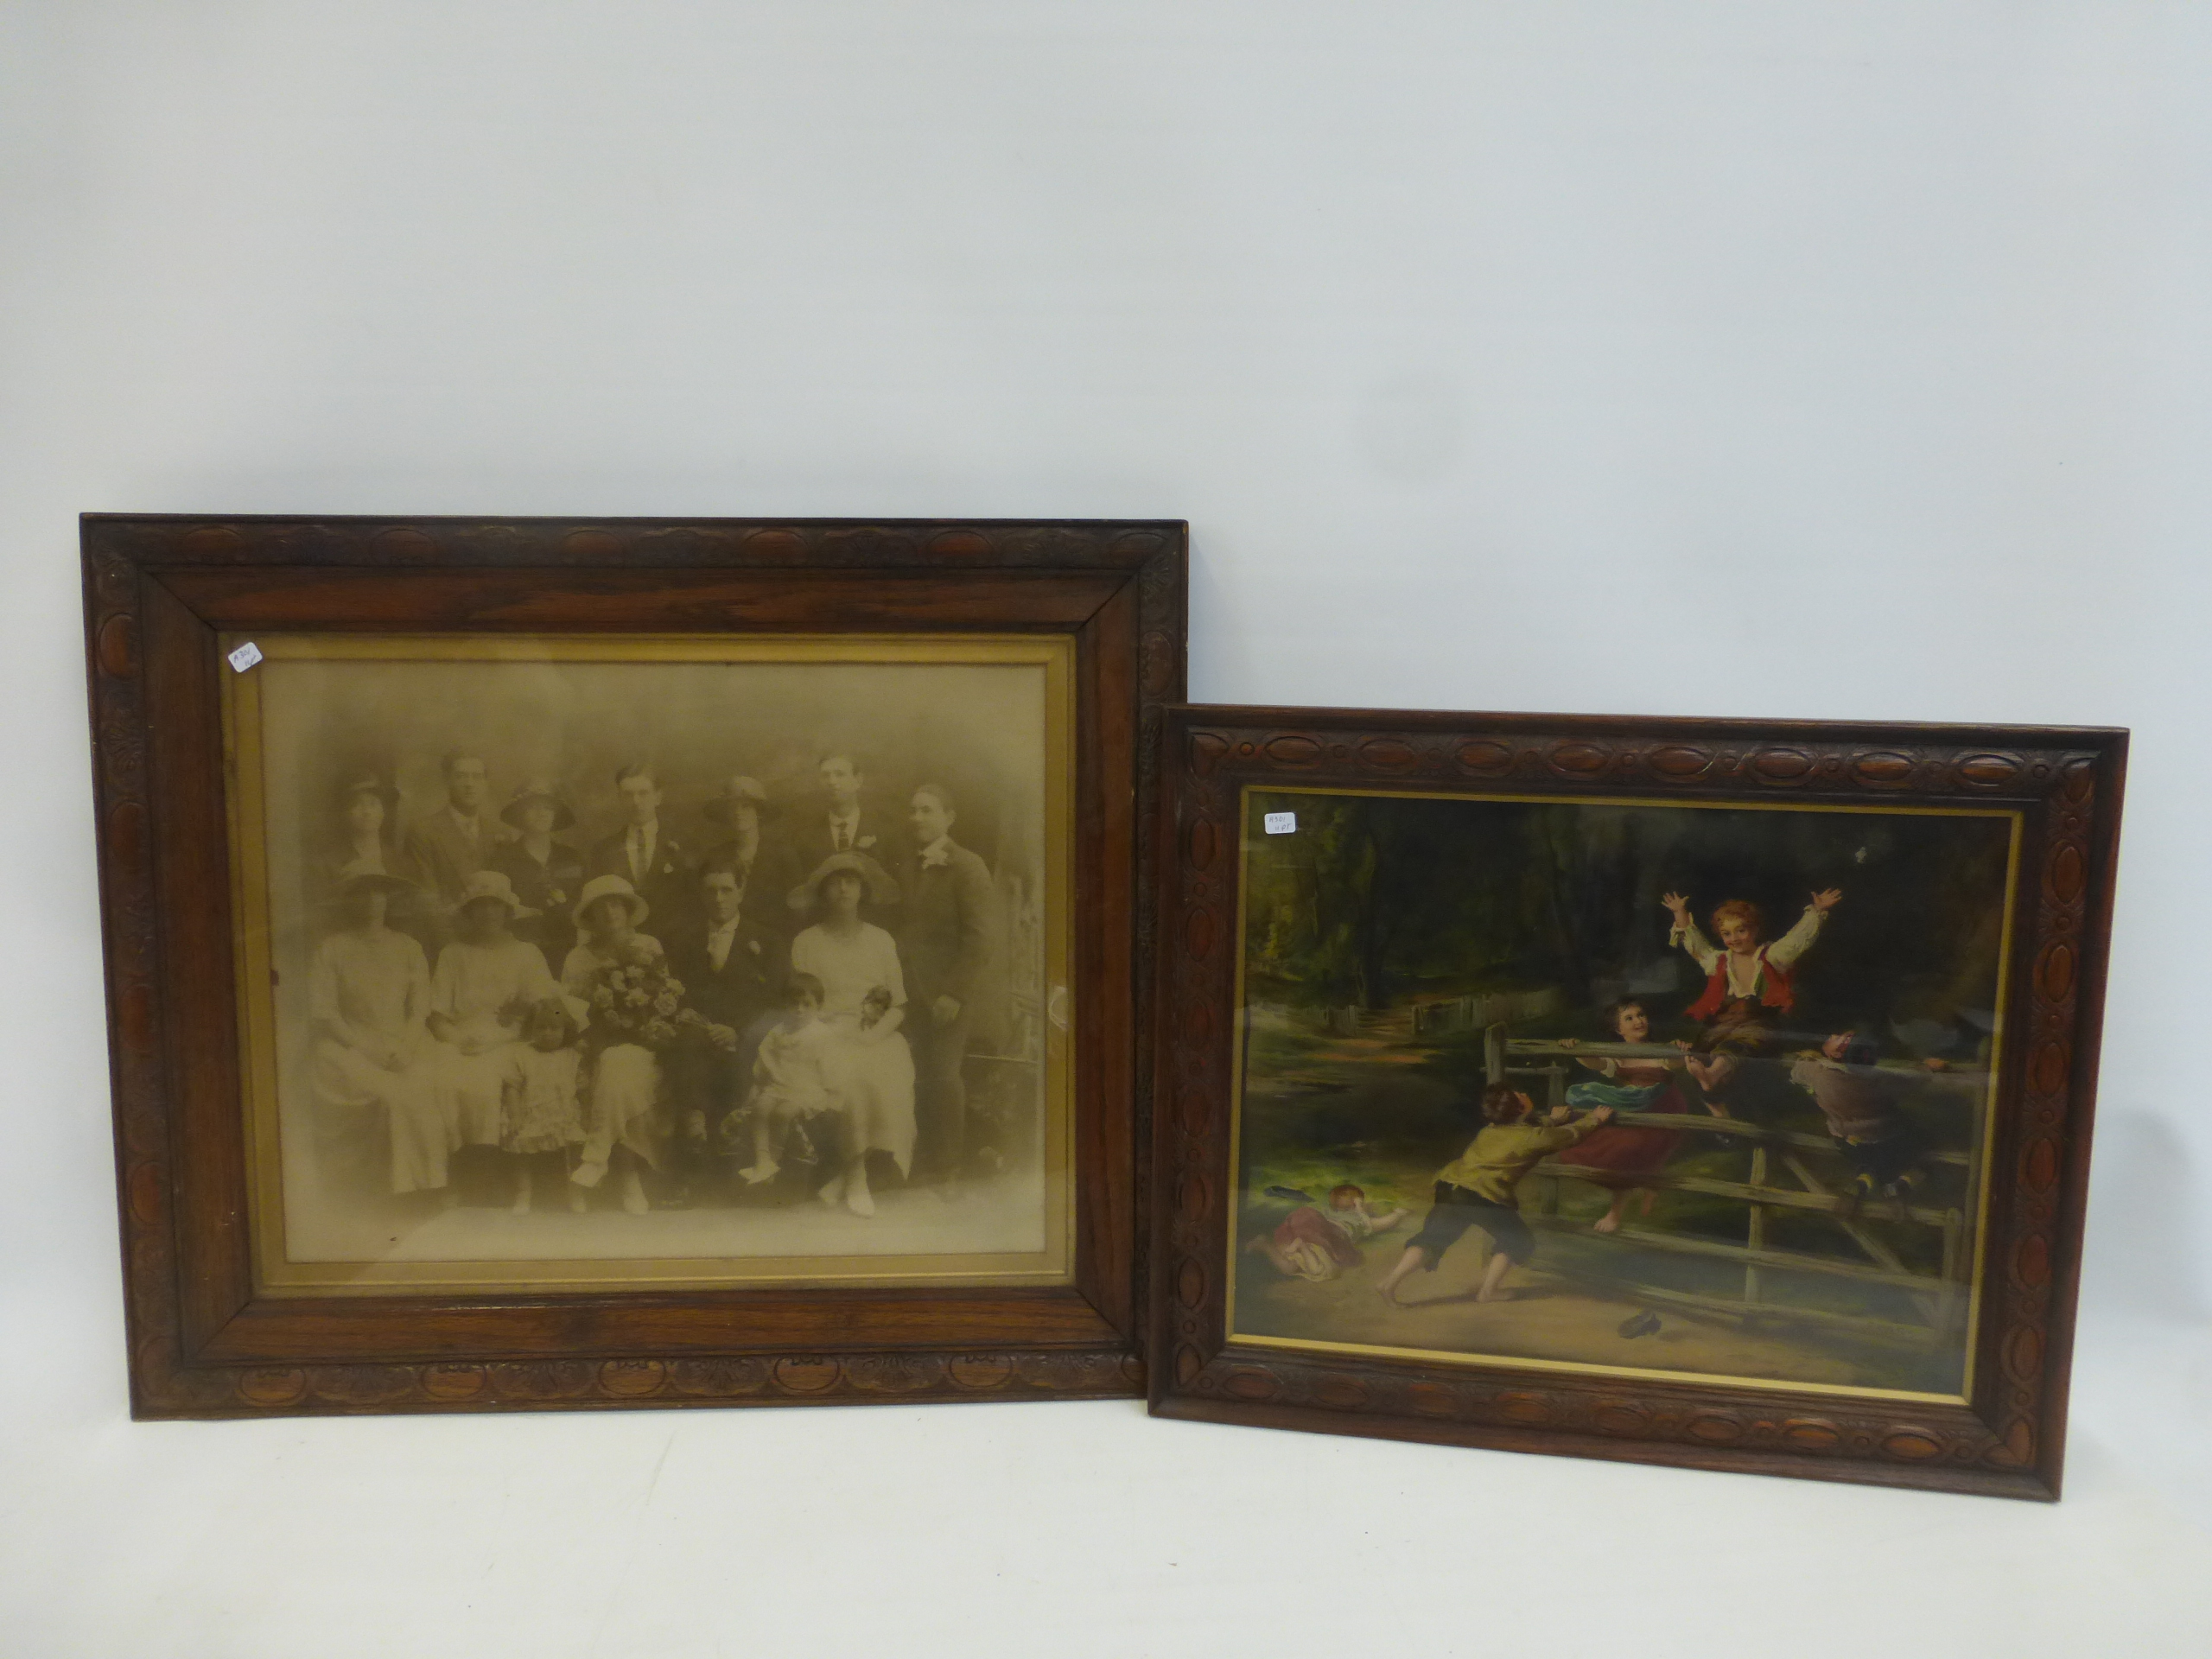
[(158, 589), (2008, 1441)]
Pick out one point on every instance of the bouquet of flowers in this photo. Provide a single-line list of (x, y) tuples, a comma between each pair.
[(635, 998)]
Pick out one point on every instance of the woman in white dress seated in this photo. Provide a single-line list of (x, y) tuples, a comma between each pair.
[(622, 1127), (486, 981), (368, 996), (871, 1070)]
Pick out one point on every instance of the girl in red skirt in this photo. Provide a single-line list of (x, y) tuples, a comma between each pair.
[(1616, 1155)]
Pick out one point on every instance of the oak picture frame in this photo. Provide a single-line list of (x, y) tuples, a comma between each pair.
[(2005, 1433), (163, 592)]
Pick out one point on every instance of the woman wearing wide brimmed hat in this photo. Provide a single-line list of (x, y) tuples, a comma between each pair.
[(368, 996), (547, 874), (871, 1069), (484, 981), (623, 1128)]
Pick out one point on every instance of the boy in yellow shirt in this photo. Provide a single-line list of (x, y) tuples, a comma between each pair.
[(1477, 1191)]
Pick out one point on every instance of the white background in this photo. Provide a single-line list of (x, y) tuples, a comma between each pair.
[(1780, 358)]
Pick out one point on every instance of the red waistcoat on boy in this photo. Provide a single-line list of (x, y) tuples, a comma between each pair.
[(1775, 991)]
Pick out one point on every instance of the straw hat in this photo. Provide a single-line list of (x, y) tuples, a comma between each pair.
[(881, 889), (609, 886), (537, 789), (492, 884)]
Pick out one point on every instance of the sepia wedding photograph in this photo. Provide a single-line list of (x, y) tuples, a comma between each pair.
[(674, 961)]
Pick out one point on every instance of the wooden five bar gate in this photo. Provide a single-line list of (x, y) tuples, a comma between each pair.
[(1939, 1299)]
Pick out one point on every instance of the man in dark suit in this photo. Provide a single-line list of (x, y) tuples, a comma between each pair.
[(646, 856), (843, 823), (444, 848), (731, 967), (764, 865), (952, 949)]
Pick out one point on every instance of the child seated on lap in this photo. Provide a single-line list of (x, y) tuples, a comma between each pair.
[(789, 1081)]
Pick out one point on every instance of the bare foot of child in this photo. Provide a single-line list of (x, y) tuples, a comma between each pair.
[(1608, 1222)]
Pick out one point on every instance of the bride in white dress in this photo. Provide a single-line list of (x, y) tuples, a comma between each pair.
[(870, 1065)]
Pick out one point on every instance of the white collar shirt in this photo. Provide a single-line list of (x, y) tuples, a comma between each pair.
[(719, 940)]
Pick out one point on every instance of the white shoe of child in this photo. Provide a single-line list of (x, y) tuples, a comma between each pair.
[(757, 1173), (589, 1173), (860, 1201), (633, 1193), (833, 1192)]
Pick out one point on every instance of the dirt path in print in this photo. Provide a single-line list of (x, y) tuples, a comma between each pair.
[(1544, 1317), (1367, 1109)]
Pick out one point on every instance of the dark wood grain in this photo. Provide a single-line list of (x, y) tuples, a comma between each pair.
[(604, 601), (203, 1343), (2006, 1439)]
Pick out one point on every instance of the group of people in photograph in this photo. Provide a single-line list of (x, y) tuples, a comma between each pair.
[(789, 1010)]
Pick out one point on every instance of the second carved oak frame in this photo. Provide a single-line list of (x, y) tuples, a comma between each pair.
[(1223, 768), (161, 593)]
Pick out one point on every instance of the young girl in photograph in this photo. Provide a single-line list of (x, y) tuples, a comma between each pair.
[(634, 1007), (1616, 1155), (788, 1081), (543, 1095)]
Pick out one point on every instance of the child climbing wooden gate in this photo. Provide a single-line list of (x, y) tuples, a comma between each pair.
[(1940, 1300)]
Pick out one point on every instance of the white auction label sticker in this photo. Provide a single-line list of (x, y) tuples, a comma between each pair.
[(245, 657), (1279, 823)]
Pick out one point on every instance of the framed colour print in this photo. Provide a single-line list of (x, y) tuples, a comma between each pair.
[(637, 963), (1711, 1092)]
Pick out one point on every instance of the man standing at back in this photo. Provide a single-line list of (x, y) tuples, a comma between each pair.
[(951, 948), (843, 823), (443, 850), (645, 855)]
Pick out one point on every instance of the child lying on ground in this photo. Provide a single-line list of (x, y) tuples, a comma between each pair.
[(1477, 1190), (1319, 1244)]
